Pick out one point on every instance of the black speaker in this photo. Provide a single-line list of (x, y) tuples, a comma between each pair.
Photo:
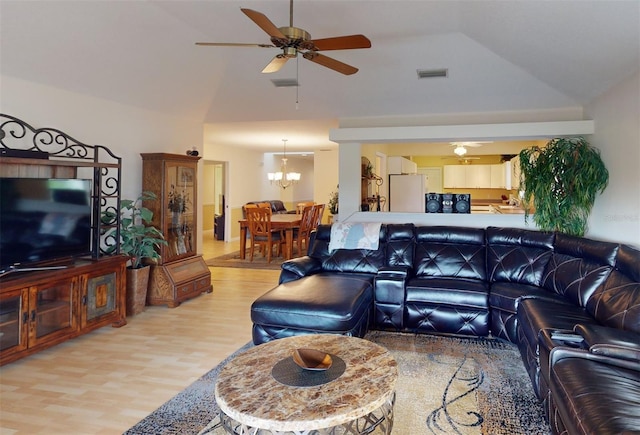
[(447, 203), (433, 203), (462, 203)]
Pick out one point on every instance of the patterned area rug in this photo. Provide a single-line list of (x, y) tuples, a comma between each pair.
[(446, 386), (234, 260)]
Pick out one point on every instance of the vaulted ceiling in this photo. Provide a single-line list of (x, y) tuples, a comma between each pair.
[(500, 56)]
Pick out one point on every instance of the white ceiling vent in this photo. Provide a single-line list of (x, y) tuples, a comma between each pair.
[(284, 83), (432, 73)]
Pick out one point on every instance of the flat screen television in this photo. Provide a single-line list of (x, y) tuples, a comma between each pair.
[(43, 221)]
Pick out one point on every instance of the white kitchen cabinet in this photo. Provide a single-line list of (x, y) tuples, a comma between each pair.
[(455, 177), (499, 175), (478, 177), (401, 165), (475, 176)]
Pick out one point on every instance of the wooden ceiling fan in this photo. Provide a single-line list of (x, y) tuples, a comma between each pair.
[(292, 40)]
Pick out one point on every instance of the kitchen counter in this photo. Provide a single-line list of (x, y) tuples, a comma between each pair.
[(506, 209), (481, 202), (478, 219), (475, 209)]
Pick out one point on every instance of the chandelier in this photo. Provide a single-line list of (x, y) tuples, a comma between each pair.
[(284, 178)]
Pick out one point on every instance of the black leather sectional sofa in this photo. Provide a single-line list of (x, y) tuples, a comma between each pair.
[(277, 206), (572, 306)]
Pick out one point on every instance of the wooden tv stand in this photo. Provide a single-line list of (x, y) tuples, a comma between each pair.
[(39, 309)]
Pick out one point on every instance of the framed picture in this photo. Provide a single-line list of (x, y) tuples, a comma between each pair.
[(185, 176)]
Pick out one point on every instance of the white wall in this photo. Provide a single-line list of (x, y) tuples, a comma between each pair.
[(243, 165), (326, 175), (300, 191), (616, 213), (127, 131)]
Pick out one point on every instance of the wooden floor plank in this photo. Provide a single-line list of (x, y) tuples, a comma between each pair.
[(106, 381)]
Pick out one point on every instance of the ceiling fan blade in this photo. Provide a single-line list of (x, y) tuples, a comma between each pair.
[(234, 44), (264, 23), (342, 43), (470, 144), (335, 65), (276, 63)]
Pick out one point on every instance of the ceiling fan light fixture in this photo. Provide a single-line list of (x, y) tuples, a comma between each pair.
[(460, 150)]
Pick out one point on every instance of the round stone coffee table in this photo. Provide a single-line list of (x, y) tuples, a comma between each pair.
[(355, 396)]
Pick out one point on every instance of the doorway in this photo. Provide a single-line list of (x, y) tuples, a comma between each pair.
[(214, 204)]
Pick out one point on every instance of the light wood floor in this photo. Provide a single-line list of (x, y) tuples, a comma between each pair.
[(106, 381)]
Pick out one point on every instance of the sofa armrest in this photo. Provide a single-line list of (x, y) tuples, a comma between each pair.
[(612, 342), (299, 267), (389, 290), (561, 352), (399, 271)]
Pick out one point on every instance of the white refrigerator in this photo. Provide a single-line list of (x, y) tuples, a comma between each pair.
[(406, 193)]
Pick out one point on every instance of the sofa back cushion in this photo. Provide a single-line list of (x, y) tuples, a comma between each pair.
[(277, 206), (400, 245), (455, 252), (578, 267), (518, 255), (617, 302), (347, 260)]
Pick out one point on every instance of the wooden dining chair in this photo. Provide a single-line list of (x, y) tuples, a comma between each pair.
[(301, 205), (318, 214), (261, 233), (301, 234)]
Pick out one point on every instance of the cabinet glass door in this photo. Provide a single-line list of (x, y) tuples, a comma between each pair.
[(51, 311), (181, 217), (12, 323)]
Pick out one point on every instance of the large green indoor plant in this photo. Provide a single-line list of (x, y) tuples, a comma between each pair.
[(139, 241), (562, 179)]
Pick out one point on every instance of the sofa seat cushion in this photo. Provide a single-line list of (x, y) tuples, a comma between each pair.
[(506, 295), (447, 305), (503, 300), (592, 397), (330, 303)]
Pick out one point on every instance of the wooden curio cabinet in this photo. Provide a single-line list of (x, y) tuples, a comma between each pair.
[(181, 273)]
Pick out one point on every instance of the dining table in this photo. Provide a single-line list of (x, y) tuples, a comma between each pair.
[(285, 222)]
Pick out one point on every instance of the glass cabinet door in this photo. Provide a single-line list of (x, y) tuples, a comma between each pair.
[(51, 311), (180, 224), (13, 319)]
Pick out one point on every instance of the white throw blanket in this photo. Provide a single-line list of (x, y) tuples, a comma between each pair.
[(355, 235)]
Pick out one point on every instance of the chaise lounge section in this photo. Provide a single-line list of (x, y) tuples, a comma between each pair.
[(545, 292)]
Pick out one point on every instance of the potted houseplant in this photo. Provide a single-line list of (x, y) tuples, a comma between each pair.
[(138, 241), (562, 179), (333, 202)]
